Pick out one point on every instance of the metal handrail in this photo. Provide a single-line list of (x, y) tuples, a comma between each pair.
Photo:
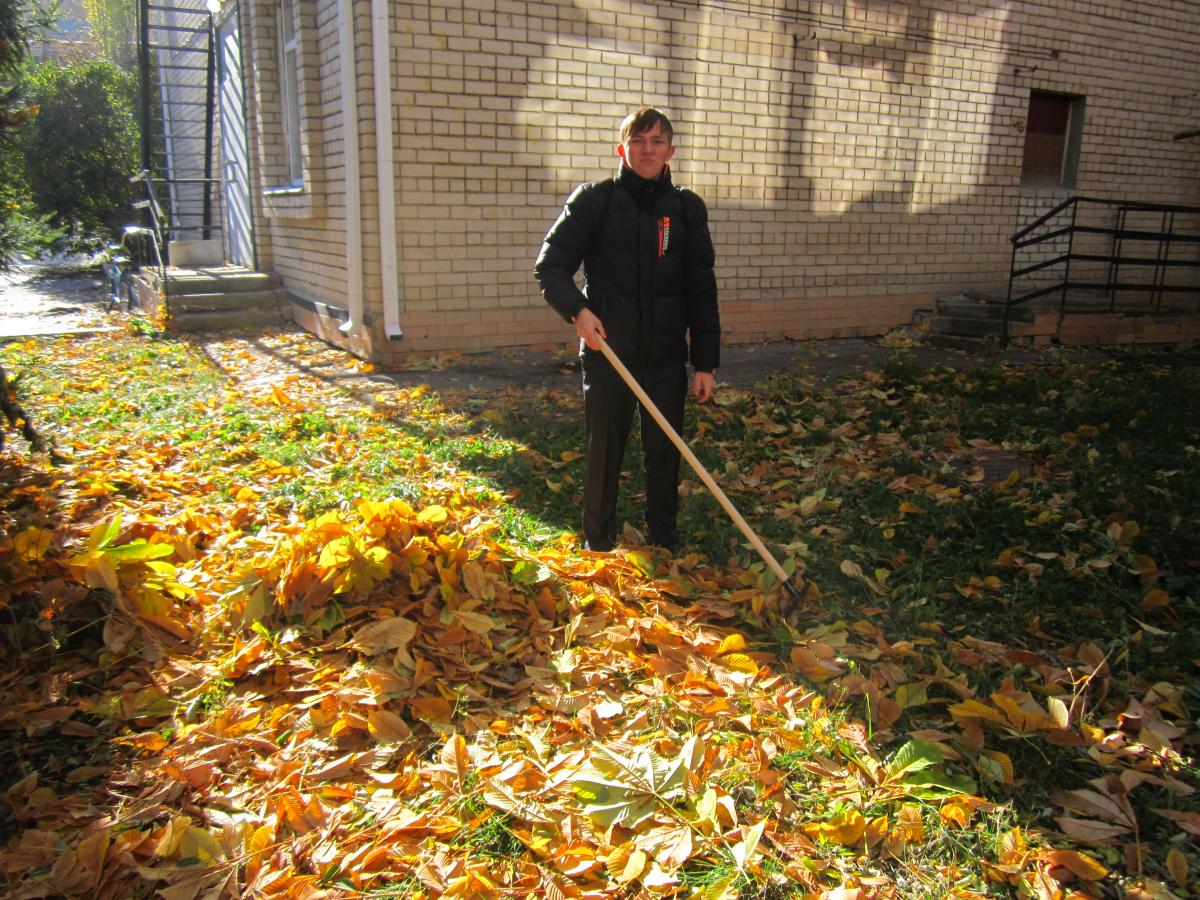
[(1164, 238), (154, 231)]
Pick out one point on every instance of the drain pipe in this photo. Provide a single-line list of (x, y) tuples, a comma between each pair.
[(385, 162), (350, 150)]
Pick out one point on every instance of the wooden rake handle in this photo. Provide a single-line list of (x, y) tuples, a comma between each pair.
[(686, 451)]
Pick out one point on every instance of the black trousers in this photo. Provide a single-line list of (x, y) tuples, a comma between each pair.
[(608, 406)]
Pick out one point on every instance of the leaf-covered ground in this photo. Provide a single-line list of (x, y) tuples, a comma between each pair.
[(268, 637)]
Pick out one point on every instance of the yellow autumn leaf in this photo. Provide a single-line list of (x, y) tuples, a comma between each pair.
[(33, 543), (910, 823), (433, 515), (1013, 847), (912, 694), (257, 842), (809, 504), (199, 844), (155, 605), (1060, 713), (633, 868), (171, 836), (98, 570), (732, 643), (242, 726), (997, 766), (739, 662), (955, 812), (744, 851), (1022, 711), (975, 709), (846, 828)]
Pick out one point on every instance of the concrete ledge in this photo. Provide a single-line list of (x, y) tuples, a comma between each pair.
[(195, 253), (1092, 329)]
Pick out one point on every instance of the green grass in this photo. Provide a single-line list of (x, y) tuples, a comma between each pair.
[(136, 385), (1048, 561)]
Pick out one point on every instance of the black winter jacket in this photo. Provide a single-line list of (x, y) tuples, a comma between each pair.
[(648, 268)]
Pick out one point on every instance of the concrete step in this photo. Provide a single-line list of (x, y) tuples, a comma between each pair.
[(235, 285), (227, 302), (978, 345), (213, 280), (973, 309), (218, 284), (965, 326), (229, 321)]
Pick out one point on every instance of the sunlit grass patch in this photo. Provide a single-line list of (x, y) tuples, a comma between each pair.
[(82, 387)]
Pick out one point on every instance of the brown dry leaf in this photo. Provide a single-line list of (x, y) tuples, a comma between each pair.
[(1177, 865), (1187, 821), (1090, 831), (455, 757), (387, 727), (1080, 864), (392, 633)]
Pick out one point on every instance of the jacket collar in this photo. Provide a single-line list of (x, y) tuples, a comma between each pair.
[(642, 190)]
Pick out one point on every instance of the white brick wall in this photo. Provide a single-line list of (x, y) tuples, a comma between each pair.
[(857, 157)]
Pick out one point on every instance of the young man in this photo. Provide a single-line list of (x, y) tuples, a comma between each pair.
[(649, 290)]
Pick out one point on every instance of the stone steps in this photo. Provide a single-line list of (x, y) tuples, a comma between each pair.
[(215, 298), (226, 302), (975, 323), (225, 321), (972, 320)]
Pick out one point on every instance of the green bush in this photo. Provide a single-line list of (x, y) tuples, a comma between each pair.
[(18, 229), (82, 146)]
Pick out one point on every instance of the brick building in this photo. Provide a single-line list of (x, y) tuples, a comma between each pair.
[(859, 157)]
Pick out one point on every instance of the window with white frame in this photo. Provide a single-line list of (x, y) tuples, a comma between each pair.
[(289, 69)]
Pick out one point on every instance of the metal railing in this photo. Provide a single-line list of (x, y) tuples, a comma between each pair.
[(1086, 249), (177, 67), (153, 229)]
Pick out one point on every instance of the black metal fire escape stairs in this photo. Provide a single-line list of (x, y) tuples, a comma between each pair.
[(177, 69), (177, 62)]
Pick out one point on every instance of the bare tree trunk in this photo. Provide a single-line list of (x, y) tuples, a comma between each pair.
[(16, 415)]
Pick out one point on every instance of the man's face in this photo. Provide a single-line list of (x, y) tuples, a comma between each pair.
[(648, 152)]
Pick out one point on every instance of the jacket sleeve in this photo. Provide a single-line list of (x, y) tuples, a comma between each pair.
[(700, 288), (563, 251)]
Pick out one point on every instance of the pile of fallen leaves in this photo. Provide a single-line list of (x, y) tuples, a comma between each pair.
[(212, 696)]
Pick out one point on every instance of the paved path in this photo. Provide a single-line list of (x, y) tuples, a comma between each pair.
[(36, 301)]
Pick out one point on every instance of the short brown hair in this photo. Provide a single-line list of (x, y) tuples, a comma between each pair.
[(642, 120)]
